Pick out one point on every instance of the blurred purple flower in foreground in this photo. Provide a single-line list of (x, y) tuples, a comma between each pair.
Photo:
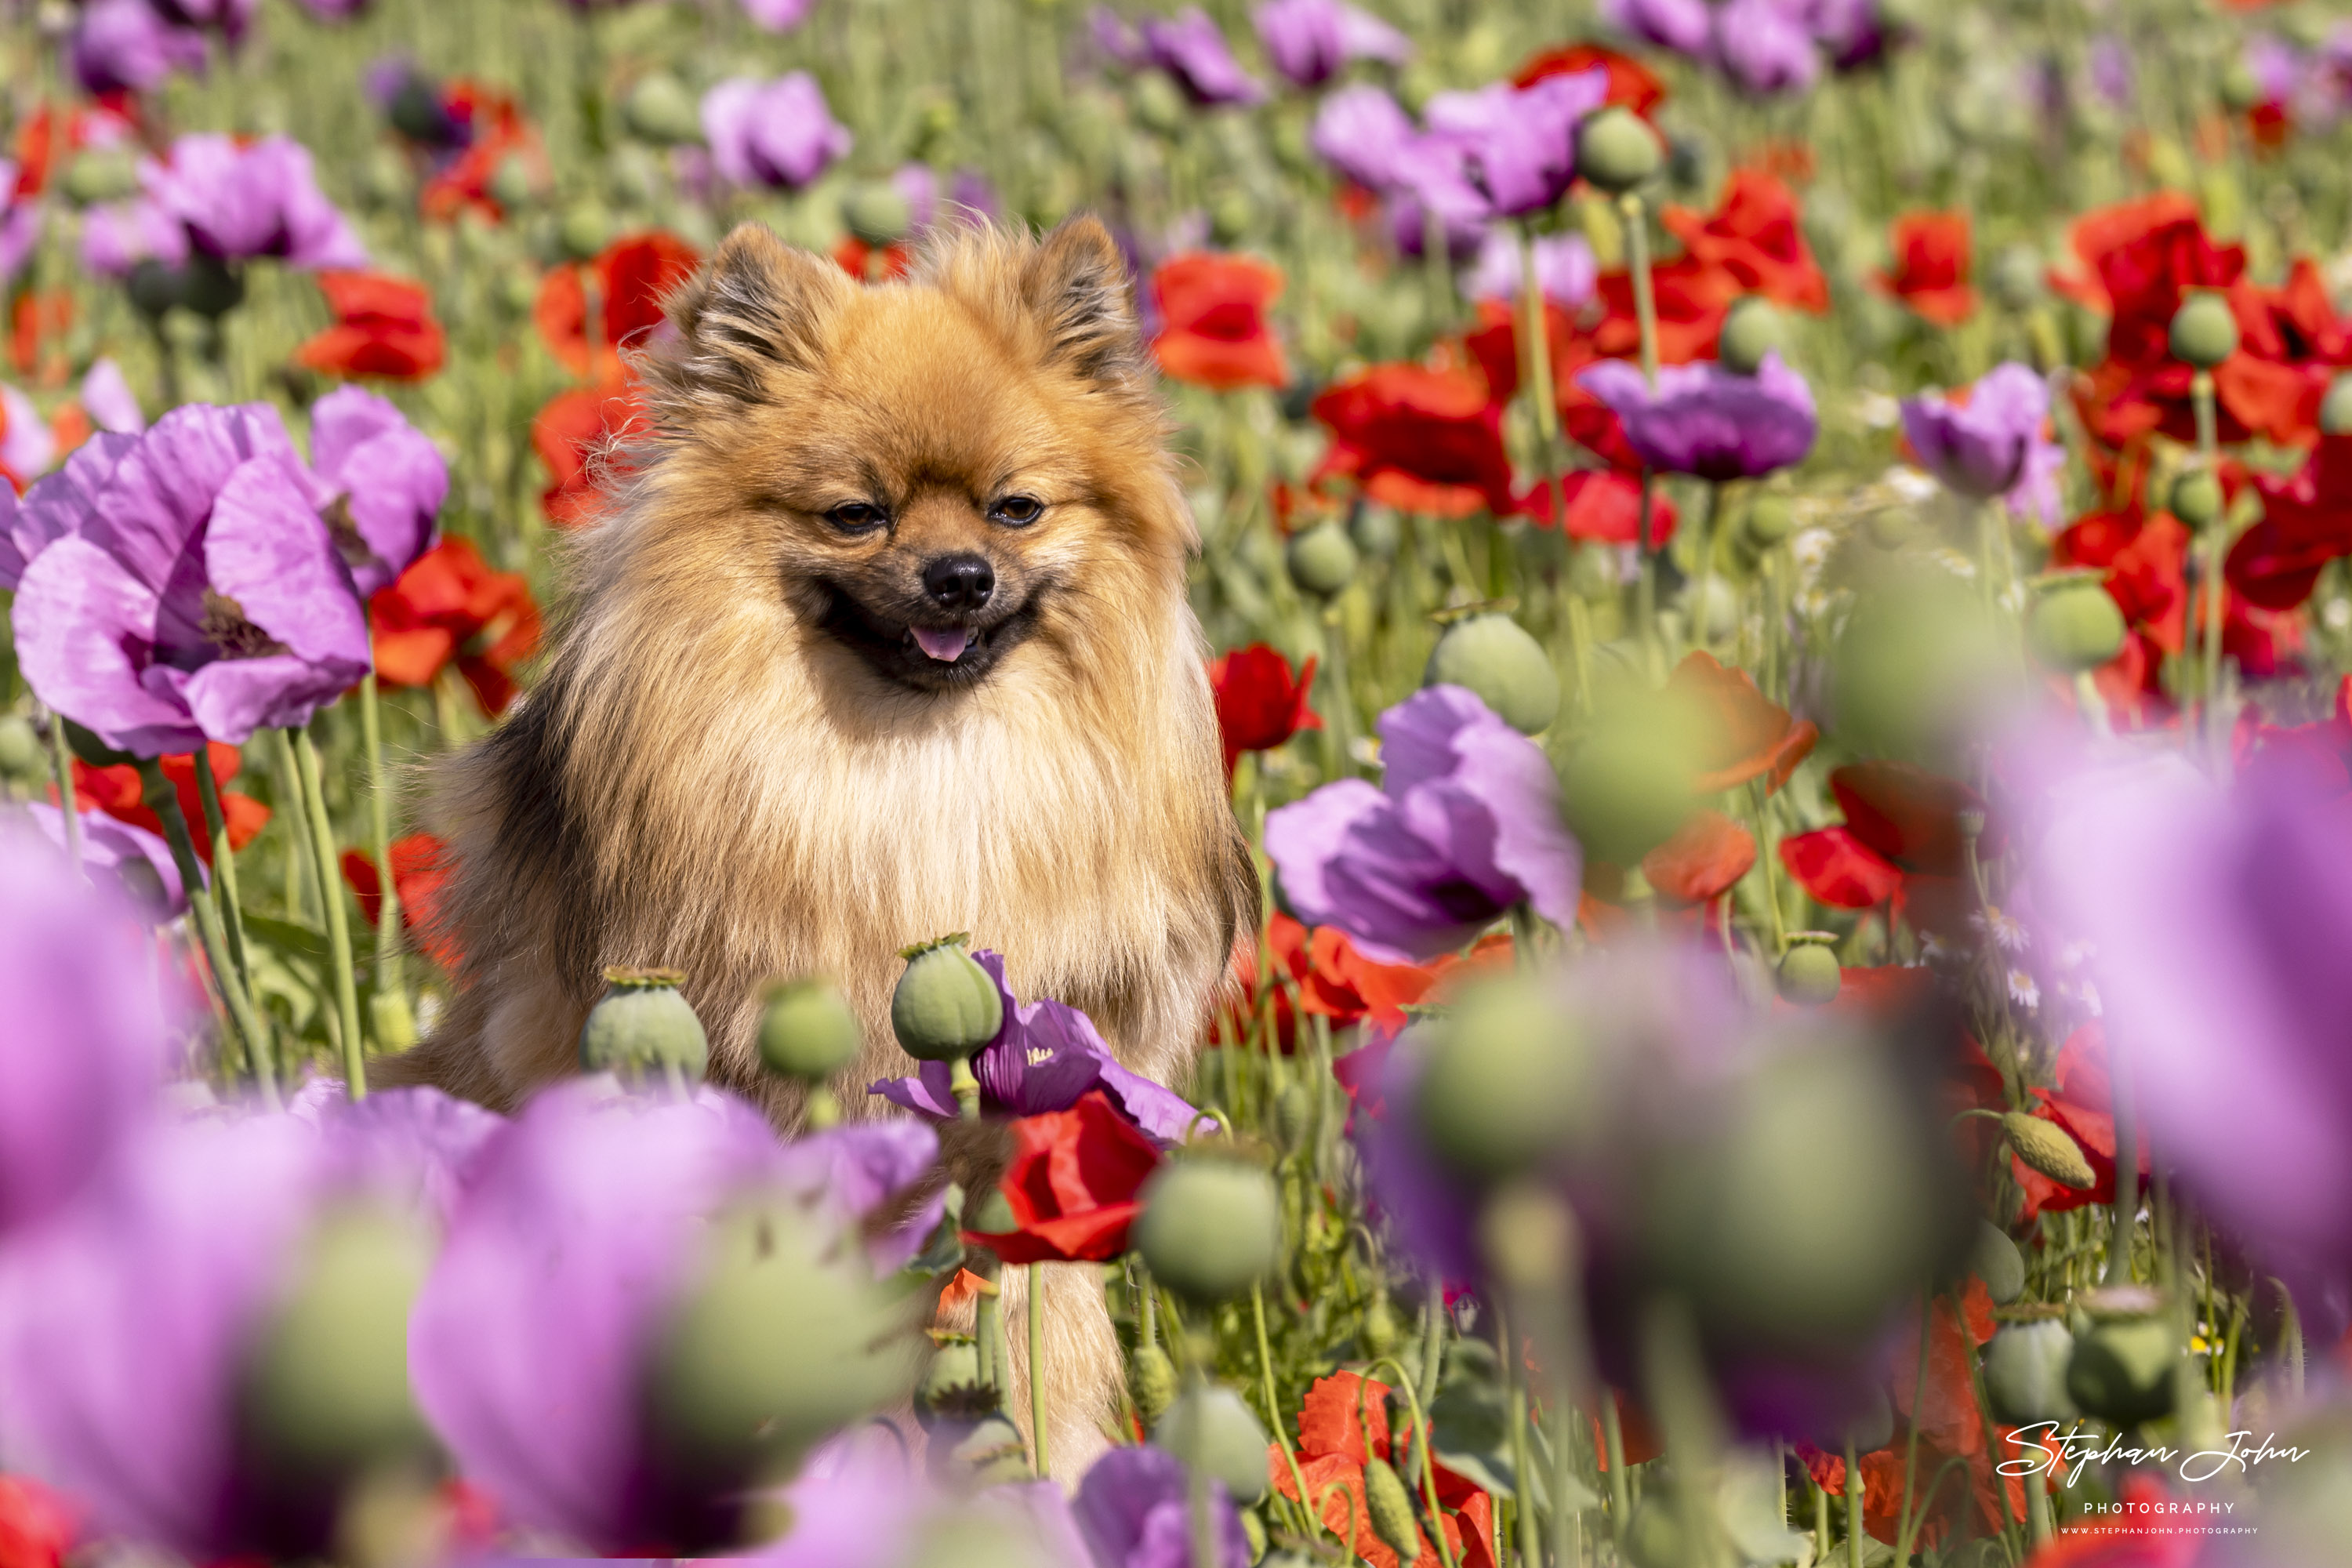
[(27, 446), (122, 46), (1703, 419), (1565, 269), (107, 398), (115, 853), (777, 133), (858, 1503), (1310, 41), (1132, 1510), (239, 200), (1191, 49), (232, 18), (82, 1053), (1361, 132), (1464, 824), (1991, 442), (118, 236), (1766, 47)]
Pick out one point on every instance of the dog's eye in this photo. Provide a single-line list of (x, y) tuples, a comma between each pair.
[(856, 516), (1018, 511)]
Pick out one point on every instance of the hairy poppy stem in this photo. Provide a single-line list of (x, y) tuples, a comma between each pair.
[(164, 801), (339, 924), (396, 1025), (1515, 1396)]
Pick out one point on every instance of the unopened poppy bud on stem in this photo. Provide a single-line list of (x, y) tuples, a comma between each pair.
[(2204, 331), (1506, 1080), (1770, 517), (1750, 331), (877, 212), (1391, 1506), (2074, 625), (2336, 408), (808, 1034), (2025, 1373), (1616, 151), (2045, 1147), (1492, 656), (643, 1030), (1809, 973), (1527, 1235), (2197, 498), (946, 1007), (1210, 1429), (1210, 1228), (1322, 560), (661, 110)]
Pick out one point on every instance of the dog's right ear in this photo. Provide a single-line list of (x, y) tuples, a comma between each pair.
[(757, 308)]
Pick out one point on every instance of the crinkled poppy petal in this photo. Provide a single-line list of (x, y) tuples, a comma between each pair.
[(78, 614), (1839, 869)]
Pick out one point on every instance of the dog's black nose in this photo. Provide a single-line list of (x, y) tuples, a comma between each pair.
[(959, 582)]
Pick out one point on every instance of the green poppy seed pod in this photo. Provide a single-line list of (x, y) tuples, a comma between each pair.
[(1753, 329), (2336, 408), (1377, 532), (210, 287), (1231, 216), (2075, 626), (2025, 1373), (586, 228), (1653, 1538), (1391, 1507), (1322, 560), (1616, 151), (153, 288), (1293, 1113), (1209, 1427), (660, 109), (20, 748), (1996, 1260), (104, 175), (990, 1214), (877, 212), (2045, 1147), (2122, 1371), (806, 1031), (511, 185), (1377, 1334), (1768, 520), (1210, 1228), (2197, 498), (1526, 1235), (1626, 790), (1152, 1383), (2017, 276), (1809, 973), (644, 1027), (1504, 1083), (2240, 89), (2204, 331), (946, 1005), (324, 1395), (951, 1389), (1495, 657), (1159, 104)]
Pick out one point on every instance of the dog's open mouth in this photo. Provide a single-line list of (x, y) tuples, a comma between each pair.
[(927, 657)]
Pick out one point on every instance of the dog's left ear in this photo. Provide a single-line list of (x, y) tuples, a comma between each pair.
[(1076, 286)]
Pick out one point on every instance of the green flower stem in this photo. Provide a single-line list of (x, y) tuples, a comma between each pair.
[(304, 860), (61, 770), (1984, 1405), (339, 924), (396, 1025), (1645, 585), (1540, 389), (1621, 1487), (1437, 268), (1909, 1522), (1645, 316), (231, 908), (1274, 1411), (1767, 855), (1340, 716), (988, 1335), (2200, 397), (2289, 1337), (1515, 1396), (1205, 1552), (2092, 707), (2126, 1207), (1701, 638), (1428, 1467), (1853, 1505), (1037, 1366), (966, 1086), (164, 801), (2040, 1526)]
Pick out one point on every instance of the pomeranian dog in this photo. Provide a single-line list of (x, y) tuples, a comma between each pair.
[(883, 635)]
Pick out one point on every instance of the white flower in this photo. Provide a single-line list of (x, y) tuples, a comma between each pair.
[(2023, 990), (2002, 931)]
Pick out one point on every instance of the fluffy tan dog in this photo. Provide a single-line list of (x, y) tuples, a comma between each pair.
[(885, 637)]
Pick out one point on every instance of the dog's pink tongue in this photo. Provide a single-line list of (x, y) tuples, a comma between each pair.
[(946, 646)]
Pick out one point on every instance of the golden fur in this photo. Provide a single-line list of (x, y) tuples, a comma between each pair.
[(711, 776)]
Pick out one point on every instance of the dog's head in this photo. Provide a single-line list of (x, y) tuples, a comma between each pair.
[(928, 474)]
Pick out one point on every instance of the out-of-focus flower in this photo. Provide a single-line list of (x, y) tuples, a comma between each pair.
[(1361, 132), (1309, 41), (1215, 332), (1331, 978), (124, 46), (575, 434), (1331, 1460), (27, 445), (1072, 1184), (1114, 39), (1260, 703), (83, 1053), (778, 15), (335, 10), (1902, 836), (38, 1528), (1631, 83), (117, 792), (231, 17), (118, 236), (20, 221), (384, 327), (1854, 33), (114, 627), (1707, 854), (385, 484), (1190, 49), (1836, 868), (1565, 269), (1765, 47), (777, 133), (630, 277), (451, 607), (1685, 26), (1133, 1510), (1419, 439), (240, 200), (1519, 142), (115, 854), (1992, 441), (2306, 522), (495, 133), (107, 398), (1741, 734), (1704, 420), (1931, 266), (1463, 827), (1754, 237), (420, 873)]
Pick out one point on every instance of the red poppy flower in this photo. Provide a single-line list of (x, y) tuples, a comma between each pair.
[(1072, 1184), (497, 132), (1420, 439), (864, 262), (576, 435), (2306, 522), (38, 322), (1839, 869), (630, 277), (1746, 735), (2146, 562), (117, 792), (1931, 266), (37, 1528), (1584, 418), (1603, 505), (1330, 978), (450, 606), (1260, 704), (1215, 332), (1630, 81), (1332, 1420), (1754, 235), (384, 327), (1692, 296), (420, 874), (1707, 855), (1909, 816)]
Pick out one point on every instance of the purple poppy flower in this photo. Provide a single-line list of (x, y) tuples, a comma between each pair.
[(775, 133), (1565, 269), (1685, 26), (386, 481), (83, 1052), (26, 446), (1852, 33), (118, 236), (2111, 74), (117, 854), (1046, 1057), (1703, 419), (1360, 131), (919, 185), (1464, 825), (185, 587), (1191, 49), (778, 15), (255, 199), (973, 192), (1309, 41), (1133, 1510), (107, 398), (229, 17), (123, 46), (1431, 175), (1765, 47), (20, 223), (855, 1169), (1991, 445), (1520, 143), (1116, 40), (416, 1146)]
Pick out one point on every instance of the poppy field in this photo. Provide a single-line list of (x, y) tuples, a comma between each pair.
[(1774, 578)]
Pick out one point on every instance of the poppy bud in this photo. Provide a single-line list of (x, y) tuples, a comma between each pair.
[(1391, 1507), (644, 1027), (2017, 276), (1294, 1111), (2122, 1371), (2204, 331), (991, 1214), (1378, 1335), (2197, 498), (1996, 1260), (2336, 408), (1494, 656), (1616, 151), (1322, 561), (661, 110), (1873, 1426), (1159, 104), (1376, 532), (2240, 89), (1210, 1228), (2025, 1373), (1629, 785), (101, 176), (20, 748), (1770, 517), (1750, 331), (1506, 1080), (807, 1031), (945, 1005), (951, 1389), (511, 183), (1809, 973), (2045, 1147), (1526, 1233), (1254, 1532), (2074, 625), (418, 113), (586, 228), (518, 291), (877, 212), (1210, 1428), (1152, 1383)]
